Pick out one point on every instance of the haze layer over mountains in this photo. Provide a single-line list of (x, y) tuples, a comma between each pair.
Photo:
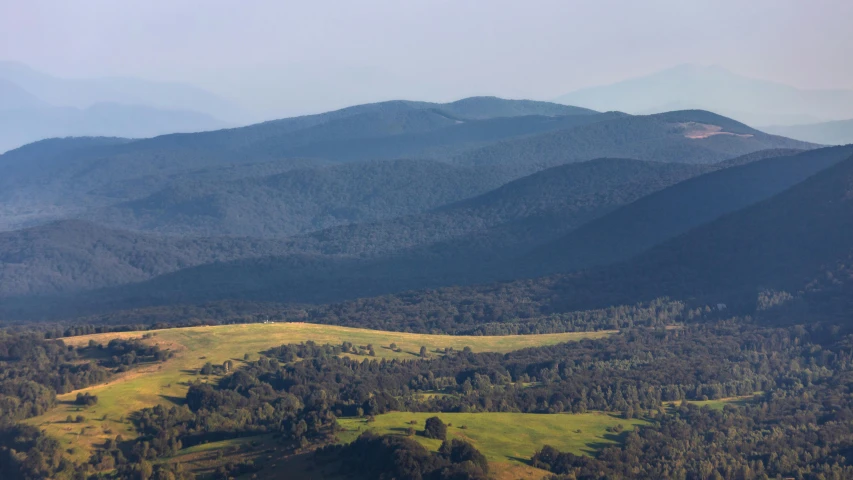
[(35, 106)]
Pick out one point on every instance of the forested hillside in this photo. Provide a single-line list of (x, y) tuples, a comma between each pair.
[(667, 213), (71, 255), (108, 180), (733, 261), (690, 136), (74, 256), (302, 200), (62, 178), (796, 242)]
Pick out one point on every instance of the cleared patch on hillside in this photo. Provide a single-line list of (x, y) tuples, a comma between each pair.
[(694, 130)]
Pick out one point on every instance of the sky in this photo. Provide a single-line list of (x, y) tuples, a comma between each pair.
[(288, 57)]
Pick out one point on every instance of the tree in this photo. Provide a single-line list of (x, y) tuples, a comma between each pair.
[(86, 399), (459, 451), (435, 428), (423, 352), (144, 470), (228, 365)]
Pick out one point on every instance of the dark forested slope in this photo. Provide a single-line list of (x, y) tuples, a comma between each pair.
[(674, 210), (72, 255), (303, 200), (797, 241), (413, 252)]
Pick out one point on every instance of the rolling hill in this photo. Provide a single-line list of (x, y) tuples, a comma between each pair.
[(675, 210), (451, 138), (693, 136), (303, 200), (73, 255), (38, 175), (485, 232), (796, 242)]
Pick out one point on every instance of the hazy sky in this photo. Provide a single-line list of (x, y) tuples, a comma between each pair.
[(296, 57)]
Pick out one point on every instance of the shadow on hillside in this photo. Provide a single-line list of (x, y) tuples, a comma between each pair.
[(525, 461), (618, 438), (176, 400)]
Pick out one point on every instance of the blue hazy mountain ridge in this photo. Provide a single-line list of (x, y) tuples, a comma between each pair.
[(84, 180), (270, 207), (753, 101), (85, 92), (13, 97), (36, 106), (839, 132), (44, 182), (21, 126), (265, 141), (688, 136)]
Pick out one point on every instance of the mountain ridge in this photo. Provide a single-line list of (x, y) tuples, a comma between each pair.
[(757, 102)]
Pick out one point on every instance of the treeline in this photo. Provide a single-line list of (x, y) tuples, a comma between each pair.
[(298, 391), (518, 308), (798, 421), (635, 371), (794, 434), (33, 370), (126, 353), (387, 457)]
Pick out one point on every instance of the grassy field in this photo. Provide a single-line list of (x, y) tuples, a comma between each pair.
[(507, 439), (166, 383), (718, 404)]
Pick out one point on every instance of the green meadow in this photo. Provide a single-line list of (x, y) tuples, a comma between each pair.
[(507, 439), (166, 383)]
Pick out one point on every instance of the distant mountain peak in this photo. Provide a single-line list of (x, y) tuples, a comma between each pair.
[(715, 88)]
